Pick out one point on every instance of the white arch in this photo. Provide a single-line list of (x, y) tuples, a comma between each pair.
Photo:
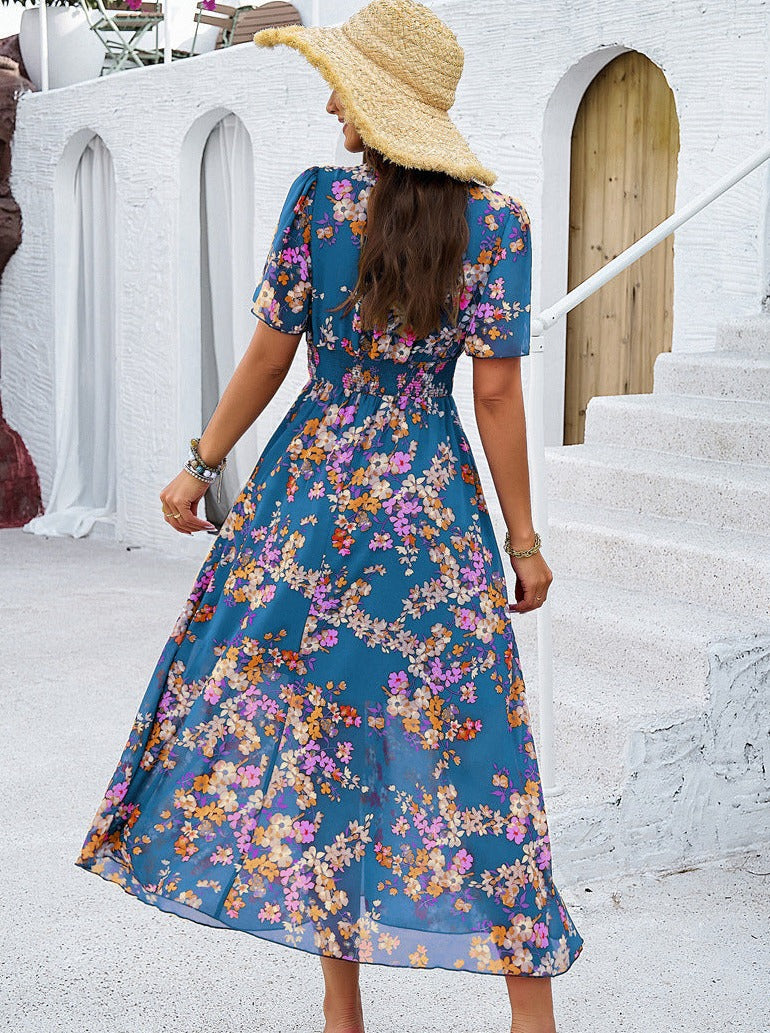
[(84, 486), (217, 278)]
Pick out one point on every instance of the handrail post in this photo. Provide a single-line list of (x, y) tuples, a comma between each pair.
[(539, 492)]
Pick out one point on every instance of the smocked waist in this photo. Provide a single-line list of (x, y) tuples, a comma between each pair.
[(338, 372)]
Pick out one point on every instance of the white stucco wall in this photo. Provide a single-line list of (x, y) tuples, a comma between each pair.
[(526, 68)]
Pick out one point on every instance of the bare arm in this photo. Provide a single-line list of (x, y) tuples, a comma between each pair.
[(499, 407), (252, 386)]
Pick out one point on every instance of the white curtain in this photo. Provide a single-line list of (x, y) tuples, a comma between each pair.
[(227, 274), (84, 481)]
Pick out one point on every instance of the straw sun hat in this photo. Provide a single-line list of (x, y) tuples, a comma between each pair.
[(395, 66)]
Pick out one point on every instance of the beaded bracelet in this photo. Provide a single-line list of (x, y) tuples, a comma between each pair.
[(196, 466), (521, 553)]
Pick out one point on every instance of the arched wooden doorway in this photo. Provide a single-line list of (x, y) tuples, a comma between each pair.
[(625, 145)]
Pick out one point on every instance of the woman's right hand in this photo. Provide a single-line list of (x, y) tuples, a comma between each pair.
[(182, 496), (533, 579)]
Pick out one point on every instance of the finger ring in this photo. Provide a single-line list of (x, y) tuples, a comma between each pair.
[(174, 515)]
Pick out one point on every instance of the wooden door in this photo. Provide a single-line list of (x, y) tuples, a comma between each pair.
[(625, 144)]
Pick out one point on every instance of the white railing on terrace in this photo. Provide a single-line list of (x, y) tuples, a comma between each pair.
[(536, 424)]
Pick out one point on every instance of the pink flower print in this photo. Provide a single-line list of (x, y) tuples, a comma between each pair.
[(430, 832), (398, 681), (304, 831), (317, 491), (344, 752), (466, 619), (329, 637), (496, 290), (462, 861), (381, 540), (212, 693), (544, 857), (269, 913), (540, 931), (400, 827), (116, 793), (400, 462), (250, 776), (516, 830), (341, 187)]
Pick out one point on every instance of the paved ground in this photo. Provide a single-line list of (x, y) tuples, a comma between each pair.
[(83, 623)]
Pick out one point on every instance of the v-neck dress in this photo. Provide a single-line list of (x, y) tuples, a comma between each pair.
[(334, 751)]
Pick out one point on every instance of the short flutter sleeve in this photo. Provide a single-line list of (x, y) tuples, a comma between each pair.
[(500, 324), (283, 296)]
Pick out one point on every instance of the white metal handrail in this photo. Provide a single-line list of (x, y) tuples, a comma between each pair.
[(536, 425)]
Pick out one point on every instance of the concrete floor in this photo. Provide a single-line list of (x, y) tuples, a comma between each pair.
[(83, 623)]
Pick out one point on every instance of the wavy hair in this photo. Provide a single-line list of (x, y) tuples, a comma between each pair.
[(411, 261)]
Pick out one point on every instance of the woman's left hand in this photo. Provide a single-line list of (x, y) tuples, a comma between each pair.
[(180, 500)]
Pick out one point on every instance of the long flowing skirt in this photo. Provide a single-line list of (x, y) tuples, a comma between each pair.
[(334, 750)]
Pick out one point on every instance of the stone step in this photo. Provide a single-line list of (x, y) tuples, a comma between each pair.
[(747, 334), (712, 428), (706, 491), (718, 374), (630, 635), (594, 714), (675, 559)]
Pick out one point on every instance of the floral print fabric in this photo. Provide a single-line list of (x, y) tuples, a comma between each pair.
[(334, 751)]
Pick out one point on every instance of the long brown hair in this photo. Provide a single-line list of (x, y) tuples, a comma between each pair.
[(411, 262)]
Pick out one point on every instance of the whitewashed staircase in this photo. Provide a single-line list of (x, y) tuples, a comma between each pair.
[(659, 539)]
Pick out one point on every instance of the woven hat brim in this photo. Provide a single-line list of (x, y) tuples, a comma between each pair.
[(386, 112)]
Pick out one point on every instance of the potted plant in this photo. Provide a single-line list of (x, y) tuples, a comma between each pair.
[(75, 53)]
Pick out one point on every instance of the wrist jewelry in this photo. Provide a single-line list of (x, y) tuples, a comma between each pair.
[(520, 553), (204, 472)]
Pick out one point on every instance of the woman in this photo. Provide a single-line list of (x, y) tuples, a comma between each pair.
[(334, 752)]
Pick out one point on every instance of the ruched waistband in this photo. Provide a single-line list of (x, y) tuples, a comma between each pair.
[(385, 377)]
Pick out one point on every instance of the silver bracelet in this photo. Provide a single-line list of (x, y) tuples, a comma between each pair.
[(201, 470)]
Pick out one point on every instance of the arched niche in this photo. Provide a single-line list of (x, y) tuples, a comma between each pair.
[(83, 494), (216, 261)]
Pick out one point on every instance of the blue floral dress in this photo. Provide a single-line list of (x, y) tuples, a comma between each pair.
[(334, 751)]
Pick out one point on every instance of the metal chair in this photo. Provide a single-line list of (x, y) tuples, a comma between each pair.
[(121, 29), (221, 15)]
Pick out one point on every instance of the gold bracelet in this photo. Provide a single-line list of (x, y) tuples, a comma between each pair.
[(521, 553)]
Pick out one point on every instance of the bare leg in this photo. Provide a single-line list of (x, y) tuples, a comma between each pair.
[(531, 1004), (342, 999)]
